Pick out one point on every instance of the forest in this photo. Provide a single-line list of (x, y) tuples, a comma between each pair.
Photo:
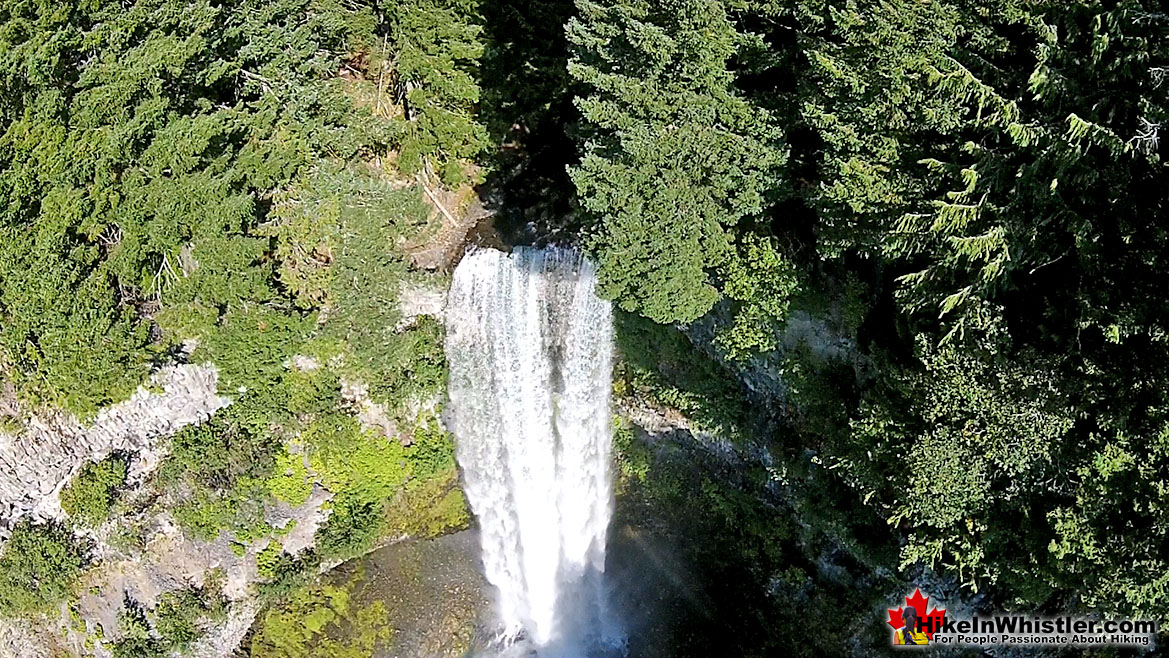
[(964, 200)]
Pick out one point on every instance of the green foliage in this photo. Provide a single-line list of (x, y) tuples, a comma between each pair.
[(170, 133), (176, 137), (180, 618), (429, 507), (137, 640), (659, 364), (222, 474), (1002, 388), (290, 481), (269, 561), (351, 224), (354, 466), (633, 459), (350, 459), (353, 528), (321, 619), (401, 364), (284, 573), (313, 392), (966, 147), (39, 566), (206, 182), (432, 449), (979, 453), (219, 471), (762, 282), (250, 345), (89, 498), (181, 615), (961, 156), (438, 45), (1118, 486), (382, 486), (672, 158), (765, 560)]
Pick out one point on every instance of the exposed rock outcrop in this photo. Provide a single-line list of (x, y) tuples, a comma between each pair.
[(373, 415), (457, 213), (763, 373), (305, 520), (417, 300), (224, 639), (36, 464), (20, 638)]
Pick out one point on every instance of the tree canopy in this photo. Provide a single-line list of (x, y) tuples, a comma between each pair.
[(937, 224), (980, 187)]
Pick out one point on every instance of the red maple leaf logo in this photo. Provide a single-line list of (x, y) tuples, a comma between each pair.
[(929, 622)]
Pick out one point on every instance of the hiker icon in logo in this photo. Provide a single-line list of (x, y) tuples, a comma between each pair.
[(907, 633), (911, 625)]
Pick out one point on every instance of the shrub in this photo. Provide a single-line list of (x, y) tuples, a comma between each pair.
[(178, 621), (353, 528), (89, 498), (290, 482), (286, 573), (270, 560), (38, 568), (137, 640), (180, 614)]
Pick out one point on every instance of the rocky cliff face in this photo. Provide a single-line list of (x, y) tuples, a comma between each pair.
[(763, 373), (37, 463)]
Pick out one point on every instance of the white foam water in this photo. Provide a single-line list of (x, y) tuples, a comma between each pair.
[(529, 346)]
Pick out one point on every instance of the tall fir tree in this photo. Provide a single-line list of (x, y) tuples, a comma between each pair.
[(673, 159)]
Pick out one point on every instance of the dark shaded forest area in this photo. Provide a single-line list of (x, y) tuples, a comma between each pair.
[(971, 193)]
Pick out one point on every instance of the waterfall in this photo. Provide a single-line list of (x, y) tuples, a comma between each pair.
[(529, 349)]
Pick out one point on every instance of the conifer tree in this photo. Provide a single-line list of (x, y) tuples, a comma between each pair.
[(673, 159), (437, 45)]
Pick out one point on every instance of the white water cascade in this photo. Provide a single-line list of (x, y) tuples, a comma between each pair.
[(529, 348)]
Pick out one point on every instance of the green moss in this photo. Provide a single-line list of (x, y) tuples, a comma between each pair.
[(290, 481), (349, 459), (319, 620), (382, 487), (11, 425), (429, 507)]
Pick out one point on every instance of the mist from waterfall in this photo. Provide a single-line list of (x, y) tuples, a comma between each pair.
[(529, 346)]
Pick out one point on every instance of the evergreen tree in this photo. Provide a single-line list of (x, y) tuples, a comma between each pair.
[(672, 157), (1001, 162), (437, 48)]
